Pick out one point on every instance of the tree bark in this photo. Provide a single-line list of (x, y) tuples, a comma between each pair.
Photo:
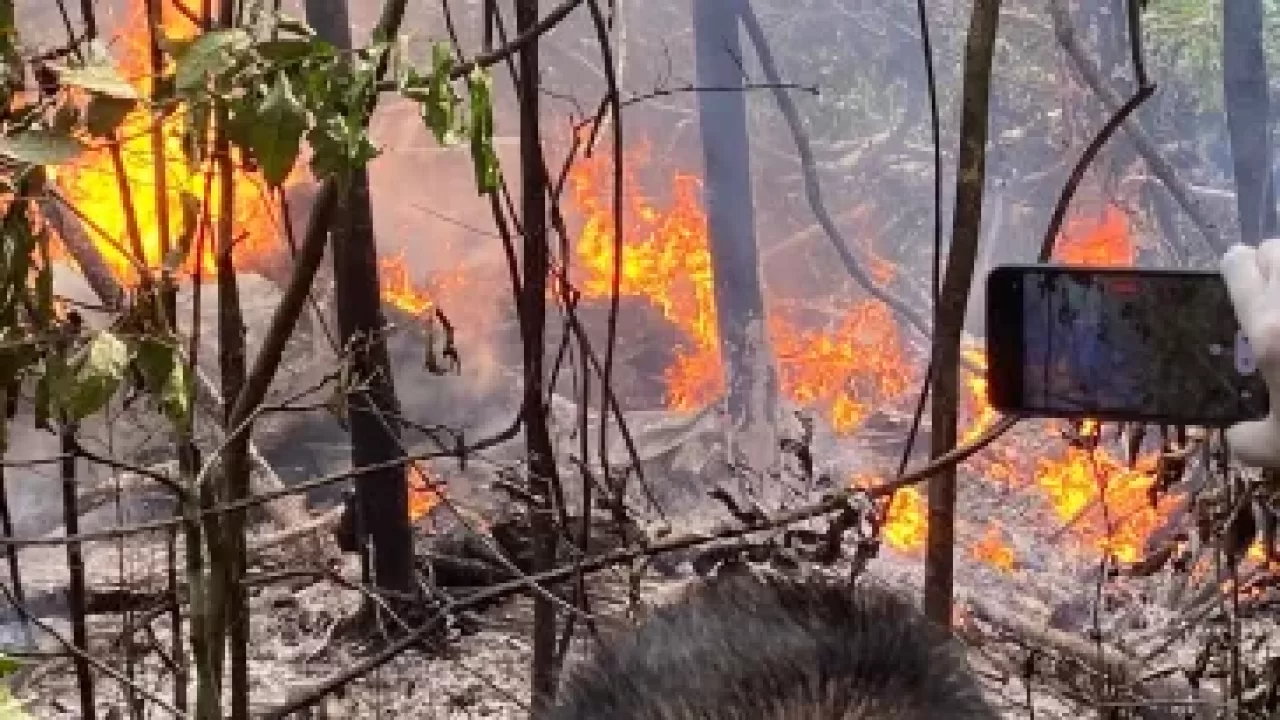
[(542, 468), (1248, 107), (382, 498), (949, 314), (751, 386)]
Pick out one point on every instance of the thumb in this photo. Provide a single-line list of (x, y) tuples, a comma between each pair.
[(1257, 442)]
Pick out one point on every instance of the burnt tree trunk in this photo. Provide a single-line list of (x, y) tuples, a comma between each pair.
[(382, 498), (1244, 69), (949, 313), (532, 309), (751, 385)]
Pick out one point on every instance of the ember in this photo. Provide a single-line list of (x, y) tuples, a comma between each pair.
[(424, 491), (1097, 241), (994, 551)]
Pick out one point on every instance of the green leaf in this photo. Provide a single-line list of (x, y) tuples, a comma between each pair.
[(98, 79), (339, 145), (439, 103), (9, 666), (40, 147), (209, 56), (94, 373), (276, 134), (483, 154), (292, 50), (165, 376), (105, 114), (175, 48)]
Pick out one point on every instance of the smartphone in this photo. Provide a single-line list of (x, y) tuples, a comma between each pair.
[(1160, 346)]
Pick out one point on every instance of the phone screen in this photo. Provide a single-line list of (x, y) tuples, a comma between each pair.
[(1159, 346)]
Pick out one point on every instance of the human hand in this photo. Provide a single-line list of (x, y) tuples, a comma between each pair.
[(1253, 281)]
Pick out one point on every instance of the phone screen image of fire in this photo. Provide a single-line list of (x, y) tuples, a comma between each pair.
[(1153, 347)]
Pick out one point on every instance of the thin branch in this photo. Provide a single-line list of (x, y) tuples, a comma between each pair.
[(1146, 147), (1082, 165), (487, 59), (76, 652), (813, 185)]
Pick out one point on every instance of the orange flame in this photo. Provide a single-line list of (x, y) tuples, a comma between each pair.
[(1097, 241), (398, 288), (100, 189), (906, 520), (1105, 504), (424, 491), (994, 551), (667, 262)]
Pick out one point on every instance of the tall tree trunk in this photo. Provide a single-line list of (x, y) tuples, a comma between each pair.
[(949, 314), (1245, 95), (542, 467), (382, 497), (722, 119)]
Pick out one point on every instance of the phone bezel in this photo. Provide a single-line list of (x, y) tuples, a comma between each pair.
[(1005, 330)]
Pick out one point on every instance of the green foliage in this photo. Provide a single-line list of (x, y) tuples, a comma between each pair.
[(277, 135), (435, 96), (276, 84), (8, 665), (209, 57), (483, 154), (98, 75), (105, 114), (41, 147), (165, 376), (91, 376), (10, 708)]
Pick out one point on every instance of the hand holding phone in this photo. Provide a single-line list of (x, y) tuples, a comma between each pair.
[(1252, 276)]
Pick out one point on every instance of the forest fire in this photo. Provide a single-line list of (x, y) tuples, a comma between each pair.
[(859, 364), (115, 190), (845, 370), (1102, 502), (113, 186)]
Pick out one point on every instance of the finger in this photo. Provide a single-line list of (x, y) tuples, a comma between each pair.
[(1269, 258), (1256, 443), (1245, 283)]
